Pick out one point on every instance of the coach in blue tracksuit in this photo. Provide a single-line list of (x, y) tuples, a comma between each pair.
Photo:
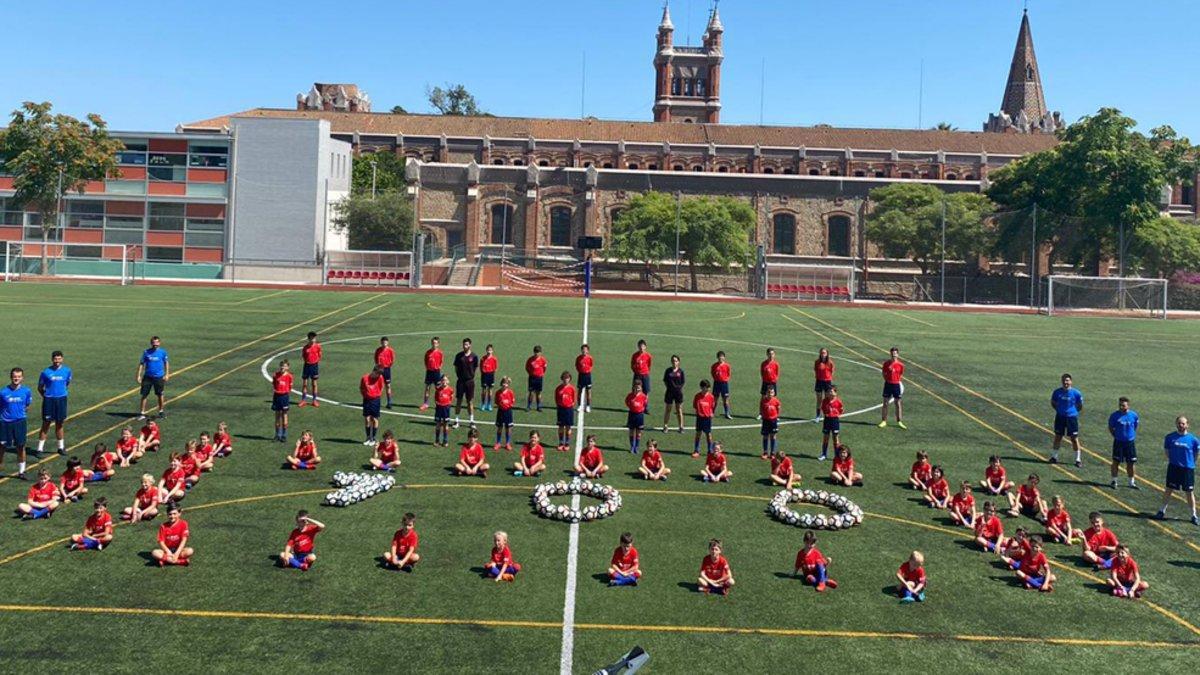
[(1123, 425), (153, 372), (52, 385), (1182, 448), (15, 399)]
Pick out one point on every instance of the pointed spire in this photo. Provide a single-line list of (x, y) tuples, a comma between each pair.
[(1024, 93), (714, 21), (666, 24)]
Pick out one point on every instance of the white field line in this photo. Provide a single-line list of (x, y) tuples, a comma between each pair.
[(566, 660)]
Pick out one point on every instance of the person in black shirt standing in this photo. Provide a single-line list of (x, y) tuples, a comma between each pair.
[(465, 365), (674, 379)]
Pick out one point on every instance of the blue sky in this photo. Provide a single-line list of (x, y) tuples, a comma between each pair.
[(150, 65)]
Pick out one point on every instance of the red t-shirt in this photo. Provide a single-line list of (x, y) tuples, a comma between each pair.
[(995, 475), (502, 555), (781, 467), (306, 451), (388, 451), (370, 386), (823, 370), (922, 471), (71, 479), (147, 496), (173, 479), (150, 432), (190, 464), (831, 408), (584, 363), (385, 356), (893, 371), (844, 466), (1125, 570), (989, 528), (962, 504), (302, 539), (204, 451), (471, 454), (592, 458), (535, 366), (720, 371), (564, 395), (1033, 563), (913, 575), (222, 439), (311, 353), (126, 446), (42, 493), (704, 403), (505, 399), (809, 559), (405, 541), (1057, 518), (98, 523), (443, 396), (281, 382), (532, 454), (433, 359), (1028, 496), (103, 461), (715, 462), (769, 408), (940, 488), (640, 362), (714, 569), (652, 459), (488, 364), (624, 560), (173, 535), (636, 403), (770, 371), (1097, 538)]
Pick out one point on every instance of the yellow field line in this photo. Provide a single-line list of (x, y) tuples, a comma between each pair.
[(910, 318), (508, 623), (196, 388), (263, 297), (1019, 445)]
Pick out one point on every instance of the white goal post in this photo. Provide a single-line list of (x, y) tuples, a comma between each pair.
[(31, 258), (1132, 295), (800, 281)]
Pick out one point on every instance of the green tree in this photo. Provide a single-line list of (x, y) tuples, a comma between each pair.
[(1164, 246), (712, 231), (384, 223), (50, 155), (454, 99), (906, 222), (385, 168), (399, 110), (945, 126)]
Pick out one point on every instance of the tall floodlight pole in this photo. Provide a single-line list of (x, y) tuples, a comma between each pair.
[(677, 203), (943, 291)]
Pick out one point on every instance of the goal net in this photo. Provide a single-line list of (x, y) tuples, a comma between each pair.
[(798, 281), (1139, 297), (543, 276), (26, 259)]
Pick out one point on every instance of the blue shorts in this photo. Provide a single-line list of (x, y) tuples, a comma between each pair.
[(432, 377), (892, 391), (645, 380), (371, 407), (386, 371), (584, 380), (441, 413), (487, 380), (311, 371), (721, 388), (281, 402), (13, 434), (822, 386), (504, 418), (1180, 478), (770, 427), (704, 425), (1124, 451), (831, 425), (635, 421), (54, 409), (566, 417), (1066, 426), (535, 383), (762, 390)]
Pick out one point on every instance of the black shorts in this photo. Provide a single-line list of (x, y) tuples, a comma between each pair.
[(770, 427), (535, 383), (441, 413), (432, 377), (504, 418), (281, 402), (464, 389), (387, 373), (704, 425), (822, 386), (566, 417), (635, 421), (1066, 425), (54, 409), (1124, 451), (762, 390), (1180, 478), (311, 371), (487, 380), (721, 388), (673, 397), (892, 390), (831, 425), (155, 383), (13, 434), (584, 380), (370, 407)]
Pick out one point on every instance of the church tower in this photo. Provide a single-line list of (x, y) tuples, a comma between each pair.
[(1023, 109), (687, 80)]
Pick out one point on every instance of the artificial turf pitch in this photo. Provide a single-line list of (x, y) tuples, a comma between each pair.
[(977, 384)]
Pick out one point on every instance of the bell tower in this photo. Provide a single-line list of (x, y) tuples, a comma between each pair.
[(687, 79)]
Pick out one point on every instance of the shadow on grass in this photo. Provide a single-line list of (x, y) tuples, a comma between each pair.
[(149, 558), (601, 577), (253, 437), (1187, 564), (690, 586)]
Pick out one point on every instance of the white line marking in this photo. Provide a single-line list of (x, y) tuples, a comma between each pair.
[(566, 661)]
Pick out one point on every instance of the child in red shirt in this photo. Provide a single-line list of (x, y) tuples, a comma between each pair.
[(470, 457), (635, 420), (71, 483), (103, 462), (591, 461), (128, 448), (501, 566), (564, 406), (1099, 543), (1033, 568), (843, 472), (1028, 500), (768, 412), (988, 529), (487, 377), (831, 422), (443, 396), (145, 502), (715, 574), (173, 537), (624, 569), (298, 551), (304, 457), (97, 531), (995, 479), (937, 494), (652, 466), (386, 456), (173, 484), (205, 452), (403, 554), (42, 499), (912, 578), (535, 369), (962, 506), (149, 439), (190, 463), (1125, 578), (782, 472), (533, 457), (1058, 523), (505, 399), (716, 467), (921, 473), (813, 565), (222, 441)]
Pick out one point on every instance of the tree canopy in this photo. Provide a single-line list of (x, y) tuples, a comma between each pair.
[(384, 223), (906, 222), (713, 231), (1164, 246), (454, 99), (388, 172)]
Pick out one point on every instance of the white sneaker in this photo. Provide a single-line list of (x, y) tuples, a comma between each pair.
[(587, 408), (367, 442), (758, 417), (456, 423)]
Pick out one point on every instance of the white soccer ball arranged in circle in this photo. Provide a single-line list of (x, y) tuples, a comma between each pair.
[(542, 492), (847, 513)]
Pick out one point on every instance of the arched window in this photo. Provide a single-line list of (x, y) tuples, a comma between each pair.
[(784, 241), (839, 236), (677, 167), (951, 176), (543, 162), (498, 161), (906, 174), (502, 223), (560, 226), (768, 170), (518, 162), (878, 174), (722, 169), (587, 165), (606, 165), (859, 173), (633, 166), (969, 176), (697, 168), (788, 171), (652, 167), (814, 172)]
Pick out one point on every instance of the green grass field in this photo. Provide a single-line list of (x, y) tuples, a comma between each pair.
[(977, 384)]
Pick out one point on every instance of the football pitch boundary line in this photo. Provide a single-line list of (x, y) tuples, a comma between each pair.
[(910, 318), (567, 650), (1059, 467), (510, 623)]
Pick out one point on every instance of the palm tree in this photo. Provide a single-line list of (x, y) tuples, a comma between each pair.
[(945, 126)]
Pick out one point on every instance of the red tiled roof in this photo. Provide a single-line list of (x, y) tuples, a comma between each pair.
[(656, 132)]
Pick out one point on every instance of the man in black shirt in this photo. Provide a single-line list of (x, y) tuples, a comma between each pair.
[(465, 365), (674, 379)]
